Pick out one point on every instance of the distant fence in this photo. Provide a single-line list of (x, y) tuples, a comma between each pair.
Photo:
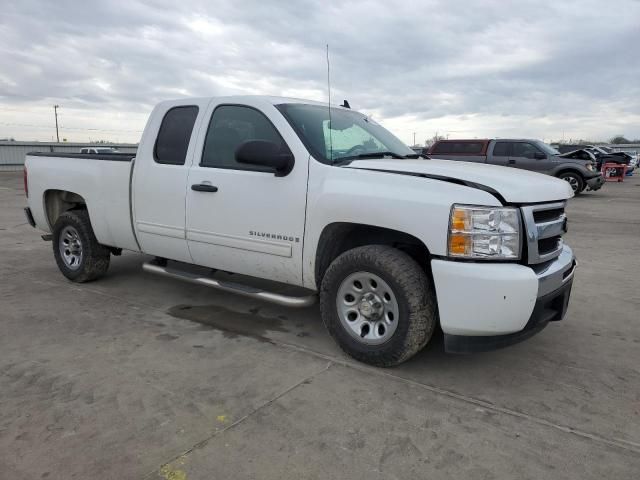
[(12, 153)]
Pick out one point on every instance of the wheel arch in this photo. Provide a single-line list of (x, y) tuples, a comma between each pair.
[(56, 202), (336, 238), (569, 170)]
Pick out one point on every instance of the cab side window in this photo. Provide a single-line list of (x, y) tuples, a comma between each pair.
[(523, 149), (230, 127), (501, 149), (174, 135)]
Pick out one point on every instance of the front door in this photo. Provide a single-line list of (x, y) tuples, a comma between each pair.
[(242, 218)]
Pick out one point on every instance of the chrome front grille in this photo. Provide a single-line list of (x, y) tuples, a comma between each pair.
[(544, 226)]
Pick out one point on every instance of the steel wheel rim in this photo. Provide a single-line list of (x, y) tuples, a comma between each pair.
[(573, 182), (70, 247), (367, 308)]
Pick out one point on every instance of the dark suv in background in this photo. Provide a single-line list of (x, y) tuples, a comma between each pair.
[(528, 154)]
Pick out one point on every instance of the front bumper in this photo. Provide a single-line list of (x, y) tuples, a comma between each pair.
[(595, 183), (488, 306)]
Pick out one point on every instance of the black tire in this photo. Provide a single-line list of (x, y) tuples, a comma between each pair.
[(94, 261), (575, 180), (416, 302)]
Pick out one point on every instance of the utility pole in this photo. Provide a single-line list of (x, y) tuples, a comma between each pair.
[(414, 138), (55, 112)]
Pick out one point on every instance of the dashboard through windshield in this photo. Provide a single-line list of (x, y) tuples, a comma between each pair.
[(341, 135)]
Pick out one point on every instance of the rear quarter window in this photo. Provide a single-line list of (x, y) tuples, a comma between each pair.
[(174, 135)]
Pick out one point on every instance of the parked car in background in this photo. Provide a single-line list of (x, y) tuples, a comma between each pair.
[(634, 160), (606, 155), (527, 154), (566, 148), (422, 151), (99, 150)]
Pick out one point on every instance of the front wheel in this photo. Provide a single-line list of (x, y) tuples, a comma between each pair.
[(575, 180), (78, 254), (378, 304)]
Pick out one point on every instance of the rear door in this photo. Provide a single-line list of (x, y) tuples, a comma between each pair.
[(160, 178), (242, 218)]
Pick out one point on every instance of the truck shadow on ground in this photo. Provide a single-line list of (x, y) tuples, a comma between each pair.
[(257, 324), (268, 323)]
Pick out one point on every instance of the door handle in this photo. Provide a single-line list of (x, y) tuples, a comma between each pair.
[(203, 187), (511, 162)]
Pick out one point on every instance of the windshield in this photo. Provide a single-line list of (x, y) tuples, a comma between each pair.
[(549, 150), (349, 135)]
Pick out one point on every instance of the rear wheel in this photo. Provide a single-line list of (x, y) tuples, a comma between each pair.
[(378, 304), (78, 254), (575, 180)]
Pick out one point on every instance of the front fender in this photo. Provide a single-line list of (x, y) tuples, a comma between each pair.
[(413, 205)]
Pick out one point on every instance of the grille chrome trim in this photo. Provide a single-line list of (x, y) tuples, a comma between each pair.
[(534, 232), (553, 228)]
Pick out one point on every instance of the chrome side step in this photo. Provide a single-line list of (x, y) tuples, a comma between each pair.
[(247, 291)]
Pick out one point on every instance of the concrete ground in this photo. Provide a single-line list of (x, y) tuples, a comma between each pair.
[(136, 376)]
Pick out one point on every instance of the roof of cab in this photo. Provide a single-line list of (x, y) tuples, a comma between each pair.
[(273, 100)]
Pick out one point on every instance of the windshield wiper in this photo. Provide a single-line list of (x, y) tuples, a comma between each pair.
[(369, 155)]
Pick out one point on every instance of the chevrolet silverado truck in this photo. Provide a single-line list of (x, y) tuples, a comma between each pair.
[(324, 199), (531, 155)]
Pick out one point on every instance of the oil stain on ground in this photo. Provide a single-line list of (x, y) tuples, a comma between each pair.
[(230, 322)]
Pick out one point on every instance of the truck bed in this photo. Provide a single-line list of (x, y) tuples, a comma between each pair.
[(102, 180)]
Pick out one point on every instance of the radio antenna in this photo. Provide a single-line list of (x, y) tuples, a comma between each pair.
[(329, 91)]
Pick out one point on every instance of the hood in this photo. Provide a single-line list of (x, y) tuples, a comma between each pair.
[(581, 156), (512, 184)]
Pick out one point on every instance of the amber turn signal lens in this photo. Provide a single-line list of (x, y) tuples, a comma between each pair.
[(459, 243), (458, 219)]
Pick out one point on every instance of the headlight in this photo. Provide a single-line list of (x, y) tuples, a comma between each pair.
[(484, 233)]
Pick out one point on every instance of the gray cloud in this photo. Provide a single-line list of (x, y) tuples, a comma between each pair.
[(484, 68)]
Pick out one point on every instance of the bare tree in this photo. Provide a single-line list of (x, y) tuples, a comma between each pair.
[(618, 139)]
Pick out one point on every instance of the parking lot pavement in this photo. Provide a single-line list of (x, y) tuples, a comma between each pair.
[(137, 376)]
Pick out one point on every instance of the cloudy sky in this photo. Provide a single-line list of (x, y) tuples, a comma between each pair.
[(544, 68)]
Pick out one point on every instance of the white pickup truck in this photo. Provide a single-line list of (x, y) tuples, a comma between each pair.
[(325, 199)]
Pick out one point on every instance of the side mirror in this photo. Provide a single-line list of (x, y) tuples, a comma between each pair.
[(266, 154), (539, 156)]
